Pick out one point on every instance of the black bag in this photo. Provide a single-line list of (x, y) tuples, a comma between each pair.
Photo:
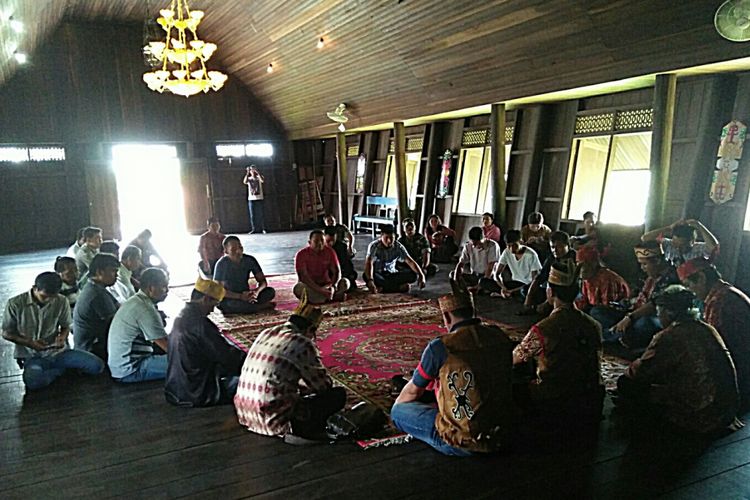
[(363, 420)]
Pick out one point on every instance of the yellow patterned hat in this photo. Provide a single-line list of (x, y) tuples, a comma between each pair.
[(648, 250), (211, 288), (306, 310), (563, 273), (459, 299)]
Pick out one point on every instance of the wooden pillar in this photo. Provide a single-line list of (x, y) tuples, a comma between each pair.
[(665, 91), (497, 159), (431, 173), (399, 142), (341, 176)]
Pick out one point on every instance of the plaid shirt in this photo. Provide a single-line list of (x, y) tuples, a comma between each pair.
[(269, 385)]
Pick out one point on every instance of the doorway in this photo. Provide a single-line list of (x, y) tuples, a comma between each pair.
[(150, 194)]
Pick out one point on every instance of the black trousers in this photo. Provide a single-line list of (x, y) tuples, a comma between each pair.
[(236, 306), (392, 282)]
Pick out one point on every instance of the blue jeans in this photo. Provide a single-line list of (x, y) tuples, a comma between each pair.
[(41, 371), (151, 368), (257, 218), (418, 420)]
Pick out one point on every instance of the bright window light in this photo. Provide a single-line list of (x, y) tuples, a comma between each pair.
[(263, 150), (230, 150), (138, 152), (625, 197), (14, 154), (47, 154)]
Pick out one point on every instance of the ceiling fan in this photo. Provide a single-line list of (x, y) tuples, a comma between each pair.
[(732, 20), (338, 116)]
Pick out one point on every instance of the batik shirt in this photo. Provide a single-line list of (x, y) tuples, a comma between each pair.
[(605, 287), (385, 258), (677, 258), (690, 376), (270, 386), (728, 310), (653, 287), (417, 245)]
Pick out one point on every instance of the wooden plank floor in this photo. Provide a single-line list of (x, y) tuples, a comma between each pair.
[(87, 437)]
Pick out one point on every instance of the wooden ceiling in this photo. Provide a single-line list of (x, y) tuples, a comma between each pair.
[(398, 59)]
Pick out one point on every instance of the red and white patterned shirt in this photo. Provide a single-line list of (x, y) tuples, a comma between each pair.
[(269, 388)]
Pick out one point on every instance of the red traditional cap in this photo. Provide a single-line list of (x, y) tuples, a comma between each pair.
[(587, 253), (692, 266)]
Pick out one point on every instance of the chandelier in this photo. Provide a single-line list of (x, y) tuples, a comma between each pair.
[(182, 55)]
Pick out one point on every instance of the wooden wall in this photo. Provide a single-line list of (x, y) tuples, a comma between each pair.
[(541, 152), (84, 90)]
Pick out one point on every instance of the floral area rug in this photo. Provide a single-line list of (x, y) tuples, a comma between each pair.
[(358, 301)]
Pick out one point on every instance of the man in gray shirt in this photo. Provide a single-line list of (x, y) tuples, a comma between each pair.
[(38, 322), (135, 327), (381, 273)]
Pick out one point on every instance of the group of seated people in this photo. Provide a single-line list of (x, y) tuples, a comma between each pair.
[(693, 374)]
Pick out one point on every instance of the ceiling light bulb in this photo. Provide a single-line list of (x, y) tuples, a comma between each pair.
[(16, 25), (321, 43), (269, 69), (20, 57), (342, 128)]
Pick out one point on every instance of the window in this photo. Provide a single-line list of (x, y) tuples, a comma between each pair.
[(473, 194), (609, 175), (258, 149), (19, 154), (413, 161)]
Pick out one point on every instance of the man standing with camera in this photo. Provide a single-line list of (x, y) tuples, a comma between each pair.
[(254, 181)]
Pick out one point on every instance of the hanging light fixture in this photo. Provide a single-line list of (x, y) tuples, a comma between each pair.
[(182, 54)]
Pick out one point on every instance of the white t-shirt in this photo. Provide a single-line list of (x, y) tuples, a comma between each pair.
[(521, 270), (480, 258)]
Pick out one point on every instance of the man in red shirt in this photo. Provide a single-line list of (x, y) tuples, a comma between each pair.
[(319, 272), (210, 247), (603, 292), (727, 309)]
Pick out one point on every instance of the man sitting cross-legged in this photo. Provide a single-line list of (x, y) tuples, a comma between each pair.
[(470, 371), (536, 299), (477, 261), (136, 325), (342, 254), (523, 263), (318, 272), (125, 286), (38, 322), (418, 247), (233, 272), (686, 377), (342, 233), (641, 323), (210, 247), (566, 348), (381, 271), (284, 388), (92, 240), (604, 293), (96, 307), (727, 309), (67, 269), (203, 368)]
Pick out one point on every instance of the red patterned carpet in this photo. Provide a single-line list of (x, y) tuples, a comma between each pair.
[(367, 339)]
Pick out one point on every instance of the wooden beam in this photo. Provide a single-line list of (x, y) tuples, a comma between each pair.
[(665, 91), (497, 161), (399, 163), (343, 196)]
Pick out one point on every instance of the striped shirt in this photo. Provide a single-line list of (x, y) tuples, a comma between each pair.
[(269, 385), (136, 324), (25, 317)]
